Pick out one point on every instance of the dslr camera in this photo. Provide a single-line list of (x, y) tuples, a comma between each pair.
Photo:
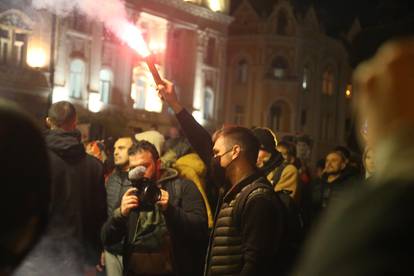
[(148, 192)]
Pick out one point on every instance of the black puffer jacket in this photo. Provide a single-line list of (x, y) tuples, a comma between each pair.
[(78, 195), (116, 186)]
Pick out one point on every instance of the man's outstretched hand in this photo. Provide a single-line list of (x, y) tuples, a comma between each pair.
[(167, 93)]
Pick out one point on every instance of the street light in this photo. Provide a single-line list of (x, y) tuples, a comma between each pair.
[(36, 57)]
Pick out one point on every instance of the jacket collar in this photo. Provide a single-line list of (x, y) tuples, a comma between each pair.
[(233, 191)]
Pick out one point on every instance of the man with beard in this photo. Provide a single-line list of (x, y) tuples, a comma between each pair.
[(248, 230), (335, 180), (168, 237), (371, 232), (116, 187)]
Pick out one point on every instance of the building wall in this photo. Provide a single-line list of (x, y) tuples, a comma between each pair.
[(191, 46), (275, 52)]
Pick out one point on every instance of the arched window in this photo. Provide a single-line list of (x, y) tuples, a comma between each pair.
[(76, 78), (242, 71), (328, 82), (279, 67), (208, 103), (282, 23), (105, 85), (280, 117)]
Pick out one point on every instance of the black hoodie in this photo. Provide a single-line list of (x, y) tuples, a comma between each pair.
[(78, 192)]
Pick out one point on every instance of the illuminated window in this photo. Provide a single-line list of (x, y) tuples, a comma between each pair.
[(242, 71), (20, 48), (105, 85), (76, 78), (5, 43), (208, 103), (143, 90), (13, 47), (328, 82), (279, 68)]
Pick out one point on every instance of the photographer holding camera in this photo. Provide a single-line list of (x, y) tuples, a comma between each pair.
[(162, 219)]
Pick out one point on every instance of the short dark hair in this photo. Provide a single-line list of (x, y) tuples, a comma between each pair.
[(243, 137), (143, 145), (339, 153), (62, 113), (344, 151), (290, 147)]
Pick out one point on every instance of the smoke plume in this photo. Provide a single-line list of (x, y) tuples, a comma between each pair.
[(111, 12)]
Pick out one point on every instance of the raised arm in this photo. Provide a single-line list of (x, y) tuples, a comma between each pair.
[(196, 134)]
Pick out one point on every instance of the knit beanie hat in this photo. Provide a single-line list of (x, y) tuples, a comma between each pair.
[(266, 138)]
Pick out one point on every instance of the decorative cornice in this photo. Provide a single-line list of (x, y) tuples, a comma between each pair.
[(197, 10), (15, 19)]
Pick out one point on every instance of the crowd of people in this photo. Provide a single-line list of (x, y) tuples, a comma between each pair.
[(239, 201)]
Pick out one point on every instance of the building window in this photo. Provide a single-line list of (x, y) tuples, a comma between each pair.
[(143, 90), (282, 23), (105, 85), (305, 79), (140, 93), (211, 51), (238, 115), (280, 117), (79, 22), (328, 82), (20, 48), (208, 104), (279, 68), (76, 78), (242, 71), (5, 43), (13, 47)]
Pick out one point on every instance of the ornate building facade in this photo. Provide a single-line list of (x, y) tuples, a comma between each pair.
[(286, 74), (76, 59)]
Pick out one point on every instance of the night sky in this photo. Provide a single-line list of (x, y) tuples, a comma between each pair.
[(337, 15)]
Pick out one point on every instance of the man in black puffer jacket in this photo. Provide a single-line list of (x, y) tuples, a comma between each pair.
[(116, 186), (78, 191)]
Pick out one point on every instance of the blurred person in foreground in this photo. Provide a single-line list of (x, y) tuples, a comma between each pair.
[(25, 195), (371, 233)]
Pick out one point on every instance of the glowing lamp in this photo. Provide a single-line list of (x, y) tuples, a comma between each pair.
[(348, 92), (36, 57), (215, 5)]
